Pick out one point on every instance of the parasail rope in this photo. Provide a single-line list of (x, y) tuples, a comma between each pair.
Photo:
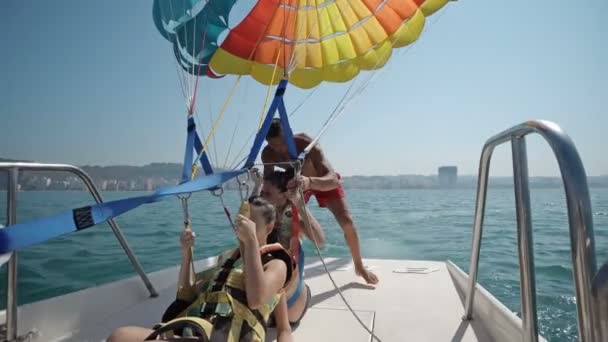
[(342, 104), (194, 166), (215, 125), (200, 127), (236, 126), (306, 219), (274, 71), (198, 71), (310, 93), (210, 116)]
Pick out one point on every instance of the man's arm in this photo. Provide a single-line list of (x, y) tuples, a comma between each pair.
[(326, 178), (329, 179), (267, 157)]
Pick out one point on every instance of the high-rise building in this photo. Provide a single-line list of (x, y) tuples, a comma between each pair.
[(448, 176)]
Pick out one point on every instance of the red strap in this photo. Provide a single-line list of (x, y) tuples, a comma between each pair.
[(294, 244)]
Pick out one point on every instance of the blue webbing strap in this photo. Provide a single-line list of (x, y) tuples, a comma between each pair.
[(30, 233), (287, 132), (194, 145), (198, 146), (277, 103), (261, 135), (187, 167)]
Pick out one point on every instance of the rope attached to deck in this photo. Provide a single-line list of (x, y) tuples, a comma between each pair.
[(306, 222)]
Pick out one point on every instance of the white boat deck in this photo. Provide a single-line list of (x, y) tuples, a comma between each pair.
[(421, 305), (415, 301)]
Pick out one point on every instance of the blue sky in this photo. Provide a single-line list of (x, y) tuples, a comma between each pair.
[(94, 83)]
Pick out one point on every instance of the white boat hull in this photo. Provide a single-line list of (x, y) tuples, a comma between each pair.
[(415, 301)]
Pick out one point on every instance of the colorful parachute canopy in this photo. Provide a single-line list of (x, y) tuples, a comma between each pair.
[(315, 40), (194, 27)]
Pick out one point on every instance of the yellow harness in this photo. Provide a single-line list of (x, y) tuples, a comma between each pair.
[(221, 313)]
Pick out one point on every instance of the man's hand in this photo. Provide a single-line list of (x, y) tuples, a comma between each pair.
[(299, 181), (256, 176)]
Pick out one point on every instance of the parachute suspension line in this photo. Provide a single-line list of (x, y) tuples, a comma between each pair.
[(331, 118), (342, 104), (198, 123), (215, 125), (213, 138), (198, 71), (292, 58), (284, 41), (192, 105), (238, 121), (191, 75), (334, 114), (274, 71), (180, 73), (310, 93), (181, 82), (234, 164), (186, 78), (277, 104), (293, 62), (239, 153)]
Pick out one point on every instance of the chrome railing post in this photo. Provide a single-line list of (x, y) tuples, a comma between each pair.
[(117, 232), (600, 293), (480, 207), (11, 288), (580, 221), (524, 239)]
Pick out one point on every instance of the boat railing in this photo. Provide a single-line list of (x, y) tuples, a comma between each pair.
[(13, 170), (580, 218)]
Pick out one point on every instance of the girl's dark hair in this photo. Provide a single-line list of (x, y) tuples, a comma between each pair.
[(268, 210), (280, 178)]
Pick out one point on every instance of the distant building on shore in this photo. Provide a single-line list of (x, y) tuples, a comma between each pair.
[(448, 176)]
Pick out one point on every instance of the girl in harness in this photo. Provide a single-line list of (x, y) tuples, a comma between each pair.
[(236, 304), (288, 230)]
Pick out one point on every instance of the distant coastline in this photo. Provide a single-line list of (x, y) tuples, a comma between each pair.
[(152, 176)]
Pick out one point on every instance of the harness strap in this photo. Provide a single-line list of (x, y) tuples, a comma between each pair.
[(294, 243), (198, 329)]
